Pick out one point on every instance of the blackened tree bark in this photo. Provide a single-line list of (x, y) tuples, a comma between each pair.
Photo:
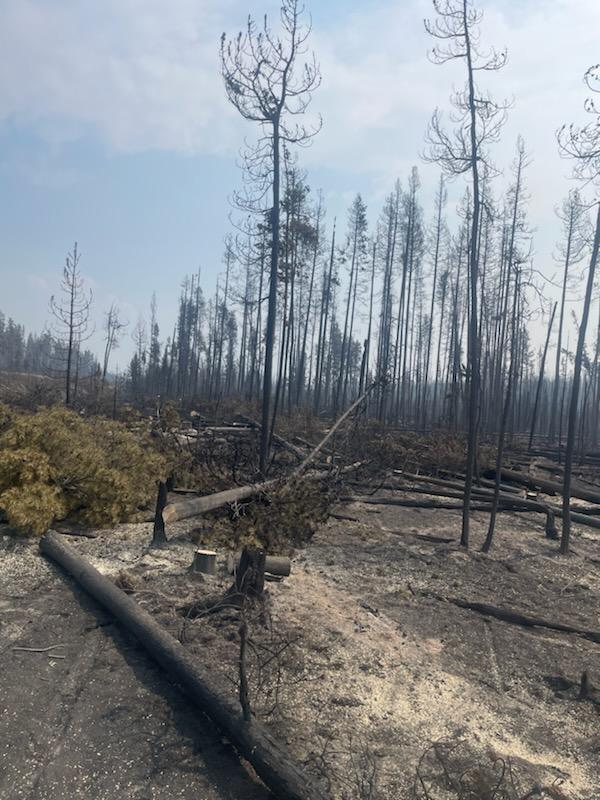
[(479, 121), (583, 146), (266, 84)]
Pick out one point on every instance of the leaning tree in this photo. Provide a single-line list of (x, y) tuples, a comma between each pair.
[(269, 83)]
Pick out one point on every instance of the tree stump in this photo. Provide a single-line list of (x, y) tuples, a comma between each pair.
[(205, 561), (159, 538), (250, 574)]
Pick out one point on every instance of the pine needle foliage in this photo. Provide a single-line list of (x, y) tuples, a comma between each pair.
[(55, 464), (279, 521)]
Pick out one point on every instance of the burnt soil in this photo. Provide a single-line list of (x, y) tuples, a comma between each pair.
[(359, 661)]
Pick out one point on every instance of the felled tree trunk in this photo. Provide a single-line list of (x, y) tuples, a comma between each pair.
[(200, 505), (196, 506), (272, 762)]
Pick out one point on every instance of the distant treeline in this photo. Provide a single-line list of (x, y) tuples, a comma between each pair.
[(41, 353)]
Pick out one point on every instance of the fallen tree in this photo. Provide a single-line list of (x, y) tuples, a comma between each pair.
[(313, 454), (200, 505), (196, 506), (515, 617), (409, 503), (550, 487), (485, 484), (483, 504), (273, 764)]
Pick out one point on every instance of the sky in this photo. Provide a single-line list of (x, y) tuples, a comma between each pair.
[(115, 131)]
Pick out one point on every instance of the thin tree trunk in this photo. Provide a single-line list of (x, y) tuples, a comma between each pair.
[(507, 403), (573, 408), (538, 390), (272, 310)]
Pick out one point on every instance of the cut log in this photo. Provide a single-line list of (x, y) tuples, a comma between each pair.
[(200, 505), (251, 739), (226, 430), (484, 494), (196, 506), (274, 565)]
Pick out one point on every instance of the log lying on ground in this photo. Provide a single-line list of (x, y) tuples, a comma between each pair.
[(478, 494), (451, 488), (408, 503), (226, 430), (592, 459), (515, 617), (482, 504), (253, 742), (506, 504), (82, 533), (275, 565), (425, 537), (453, 484), (485, 483), (482, 494), (550, 487), (343, 517)]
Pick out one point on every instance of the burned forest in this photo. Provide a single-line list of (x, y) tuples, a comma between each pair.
[(300, 401)]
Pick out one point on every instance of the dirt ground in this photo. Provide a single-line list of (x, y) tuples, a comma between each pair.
[(358, 662)]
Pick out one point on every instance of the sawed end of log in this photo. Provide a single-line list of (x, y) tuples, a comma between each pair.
[(169, 513)]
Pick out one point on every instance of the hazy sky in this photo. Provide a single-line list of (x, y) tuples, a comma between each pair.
[(114, 129)]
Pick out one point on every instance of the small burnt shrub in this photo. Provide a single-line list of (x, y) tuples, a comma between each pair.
[(455, 770)]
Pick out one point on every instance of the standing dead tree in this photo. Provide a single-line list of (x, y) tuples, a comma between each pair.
[(571, 251), (266, 83), (112, 331), (504, 420), (72, 314), (583, 146), (540, 382), (478, 121)]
